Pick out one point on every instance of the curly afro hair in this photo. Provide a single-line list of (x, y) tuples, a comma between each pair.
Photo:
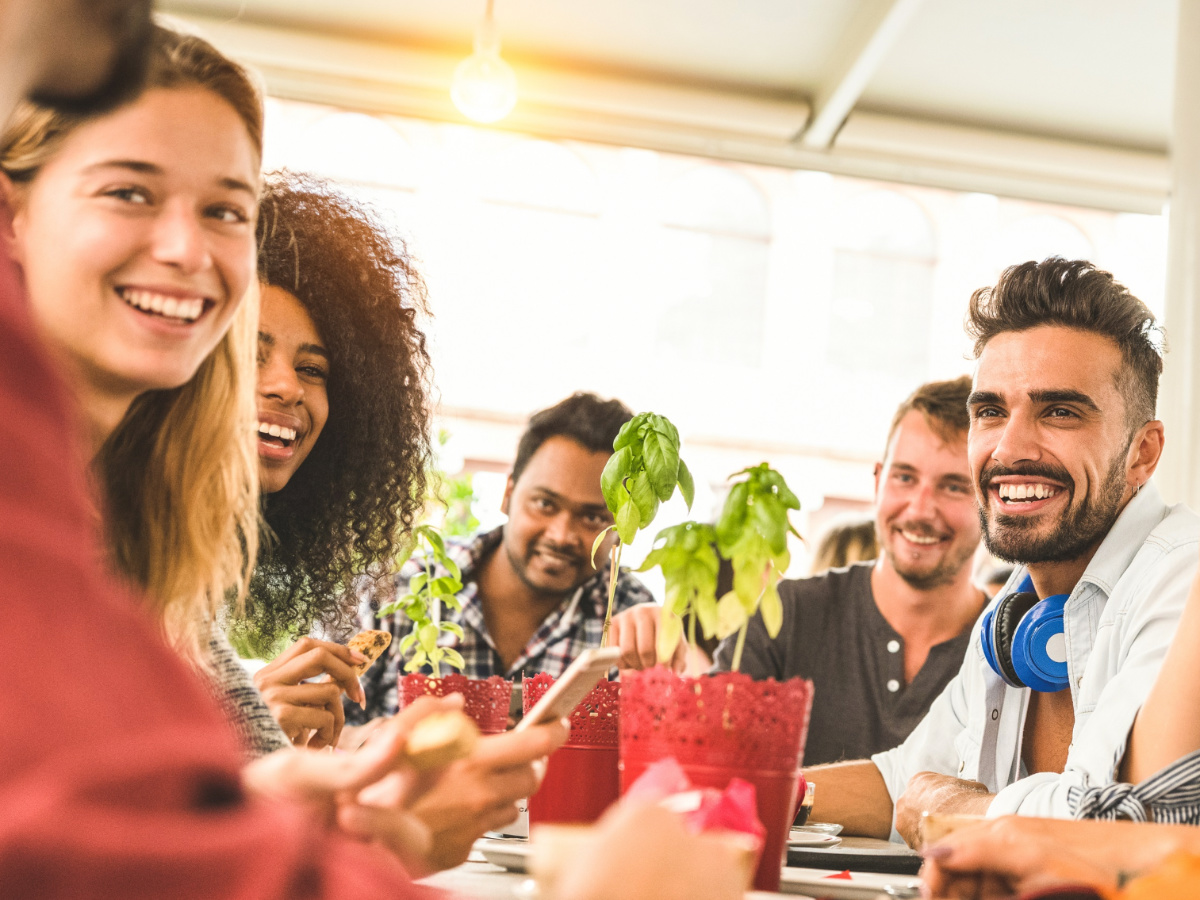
[(350, 506)]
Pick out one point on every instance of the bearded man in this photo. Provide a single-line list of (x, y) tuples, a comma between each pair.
[(1063, 442)]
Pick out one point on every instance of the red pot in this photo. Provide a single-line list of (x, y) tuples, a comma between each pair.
[(720, 727), (484, 700), (581, 776)]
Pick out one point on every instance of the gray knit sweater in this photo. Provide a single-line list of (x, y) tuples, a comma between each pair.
[(233, 688)]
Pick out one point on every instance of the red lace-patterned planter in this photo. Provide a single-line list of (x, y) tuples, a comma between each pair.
[(484, 700), (719, 727), (581, 777)]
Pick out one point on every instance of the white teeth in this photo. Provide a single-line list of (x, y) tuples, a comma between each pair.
[(918, 539), (1026, 491), (279, 431), (172, 307)]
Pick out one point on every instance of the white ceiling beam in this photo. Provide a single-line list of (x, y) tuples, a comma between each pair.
[(862, 49), (382, 79)]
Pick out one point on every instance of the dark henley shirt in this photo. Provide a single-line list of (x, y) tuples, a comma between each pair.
[(834, 634)]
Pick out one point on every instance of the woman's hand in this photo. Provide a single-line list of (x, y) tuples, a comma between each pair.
[(368, 794), (310, 713), (480, 793)]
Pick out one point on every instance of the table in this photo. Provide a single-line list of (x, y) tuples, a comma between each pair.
[(481, 880), (859, 854)]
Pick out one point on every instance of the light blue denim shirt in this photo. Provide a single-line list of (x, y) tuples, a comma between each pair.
[(1119, 621)]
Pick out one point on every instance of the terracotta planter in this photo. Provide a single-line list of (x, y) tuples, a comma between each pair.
[(581, 777), (485, 700), (719, 727)]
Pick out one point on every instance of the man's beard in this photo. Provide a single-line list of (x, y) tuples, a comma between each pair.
[(520, 566), (127, 73), (1078, 530), (941, 574)]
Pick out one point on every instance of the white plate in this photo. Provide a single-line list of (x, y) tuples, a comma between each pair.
[(799, 838), (859, 886), (818, 828), (510, 853), (528, 890)]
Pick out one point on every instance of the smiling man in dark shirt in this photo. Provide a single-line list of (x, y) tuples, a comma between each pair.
[(880, 640)]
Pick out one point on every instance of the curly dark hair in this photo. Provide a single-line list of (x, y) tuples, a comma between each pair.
[(350, 506)]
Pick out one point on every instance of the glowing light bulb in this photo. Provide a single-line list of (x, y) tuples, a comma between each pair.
[(484, 87)]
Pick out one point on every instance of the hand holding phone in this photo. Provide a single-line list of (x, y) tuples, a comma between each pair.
[(567, 692)]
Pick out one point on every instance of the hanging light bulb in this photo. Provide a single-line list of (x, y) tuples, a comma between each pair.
[(484, 87)]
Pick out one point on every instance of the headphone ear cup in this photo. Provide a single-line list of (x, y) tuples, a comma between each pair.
[(1008, 614), (1039, 654)]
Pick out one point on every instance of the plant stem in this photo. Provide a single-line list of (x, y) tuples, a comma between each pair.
[(692, 625), (741, 643), (615, 556), (437, 670)]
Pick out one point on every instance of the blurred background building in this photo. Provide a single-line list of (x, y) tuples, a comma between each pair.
[(762, 219)]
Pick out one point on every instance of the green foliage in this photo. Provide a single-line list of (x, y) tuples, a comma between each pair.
[(424, 593), (643, 472), (687, 556), (752, 534)]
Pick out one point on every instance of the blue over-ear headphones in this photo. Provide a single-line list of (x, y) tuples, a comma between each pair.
[(1023, 640)]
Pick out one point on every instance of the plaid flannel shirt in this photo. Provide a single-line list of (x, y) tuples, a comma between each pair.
[(571, 628)]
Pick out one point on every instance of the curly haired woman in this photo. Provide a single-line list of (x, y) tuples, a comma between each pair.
[(343, 445)]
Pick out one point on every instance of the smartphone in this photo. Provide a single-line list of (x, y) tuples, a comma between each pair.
[(567, 692)]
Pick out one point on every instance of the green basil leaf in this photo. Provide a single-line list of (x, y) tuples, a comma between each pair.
[(705, 608), (427, 637), (687, 487), (453, 658), (670, 631), (730, 615), (771, 608), (644, 496), (628, 522), (615, 472), (597, 542), (453, 628), (626, 435)]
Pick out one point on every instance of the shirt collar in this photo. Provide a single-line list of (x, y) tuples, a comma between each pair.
[(1140, 516)]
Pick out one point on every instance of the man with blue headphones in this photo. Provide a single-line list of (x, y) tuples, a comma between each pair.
[(1062, 445)]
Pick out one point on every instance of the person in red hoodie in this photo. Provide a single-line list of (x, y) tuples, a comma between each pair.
[(118, 775)]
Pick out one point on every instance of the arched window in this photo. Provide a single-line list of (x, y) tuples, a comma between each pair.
[(545, 176), (715, 267), (355, 148), (1036, 237), (530, 256), (882, 287)]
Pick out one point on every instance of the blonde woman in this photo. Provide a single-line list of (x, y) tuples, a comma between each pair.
[(135, 231)]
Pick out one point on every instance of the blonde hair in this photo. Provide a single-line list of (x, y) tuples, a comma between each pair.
[(846, 541), (178, 477)]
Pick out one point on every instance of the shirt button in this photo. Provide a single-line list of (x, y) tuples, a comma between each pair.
[(893, 646), (893, 685)]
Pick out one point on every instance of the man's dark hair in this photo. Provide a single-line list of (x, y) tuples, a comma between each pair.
[(1075, 294), (584, 418), (944, 406)]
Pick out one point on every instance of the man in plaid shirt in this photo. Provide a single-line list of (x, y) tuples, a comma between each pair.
[(531, 601)]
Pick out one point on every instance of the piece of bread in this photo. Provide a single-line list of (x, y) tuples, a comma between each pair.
[(439, 739), (370, 644)]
